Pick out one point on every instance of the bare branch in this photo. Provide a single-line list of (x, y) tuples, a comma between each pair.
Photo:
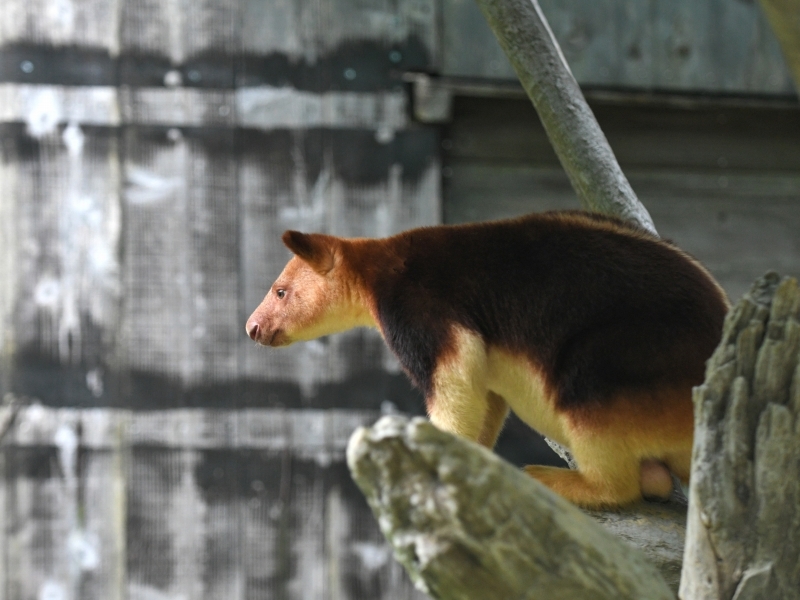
[(580, 144)]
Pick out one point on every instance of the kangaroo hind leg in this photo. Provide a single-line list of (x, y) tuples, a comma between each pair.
[(496, 413)]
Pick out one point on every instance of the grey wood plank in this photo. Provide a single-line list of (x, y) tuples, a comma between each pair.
[(62, 268), (9, 182), (42, 518), (151, 515), (153, 499), (716, 45), (309, 576), (315, 435), (739, 224), (180, 317), (722, 181), (641, 135), (90, 23), (309, 30), (267, 108), (43, 107), (711, 46), (179, 29), (178, 107), (47, 535), (5, 508), (68, 223), (605, 43), (222, 478), (100, 547), (184, 535), (469, 49)]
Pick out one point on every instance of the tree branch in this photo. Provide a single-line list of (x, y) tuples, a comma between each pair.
[(581, 146)]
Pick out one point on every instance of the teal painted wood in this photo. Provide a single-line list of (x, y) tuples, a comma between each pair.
[(676, 45)]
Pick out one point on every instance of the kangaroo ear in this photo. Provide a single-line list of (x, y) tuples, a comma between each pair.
[(314, 248)]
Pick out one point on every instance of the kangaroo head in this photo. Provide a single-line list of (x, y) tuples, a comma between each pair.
[(315, 295)]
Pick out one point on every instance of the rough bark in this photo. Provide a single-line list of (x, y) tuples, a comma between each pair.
[(466, 524), (581, 146), (784, 17), (743, 537)]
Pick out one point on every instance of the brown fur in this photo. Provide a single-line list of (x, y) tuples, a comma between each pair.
[(592, 331)]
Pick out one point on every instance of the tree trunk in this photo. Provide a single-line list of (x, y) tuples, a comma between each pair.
[(526, 38), (743, 538), (466, 524)]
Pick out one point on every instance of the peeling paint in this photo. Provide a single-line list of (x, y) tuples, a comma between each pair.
[(52, 590), (83, 549), (43, 112), (266, 107), (87, 235), (146, 187), (61, 23), (137, 591), (10, 183), (66, 440), (42, 106), (94, 381), (372, 556), (60, 14)]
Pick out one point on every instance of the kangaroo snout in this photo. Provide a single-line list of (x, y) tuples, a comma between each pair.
[(253, 329)]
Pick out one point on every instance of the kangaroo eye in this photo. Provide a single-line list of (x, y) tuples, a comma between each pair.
[(280, 294)]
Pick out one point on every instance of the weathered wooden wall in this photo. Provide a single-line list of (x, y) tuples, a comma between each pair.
[(721, 179), (183, 137), (719, 46), (255, 504), (151, 153)]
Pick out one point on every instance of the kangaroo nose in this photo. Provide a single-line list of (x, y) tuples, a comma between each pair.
[(253, 330)]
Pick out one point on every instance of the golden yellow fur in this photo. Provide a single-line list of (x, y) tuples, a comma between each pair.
[(619, 448)]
